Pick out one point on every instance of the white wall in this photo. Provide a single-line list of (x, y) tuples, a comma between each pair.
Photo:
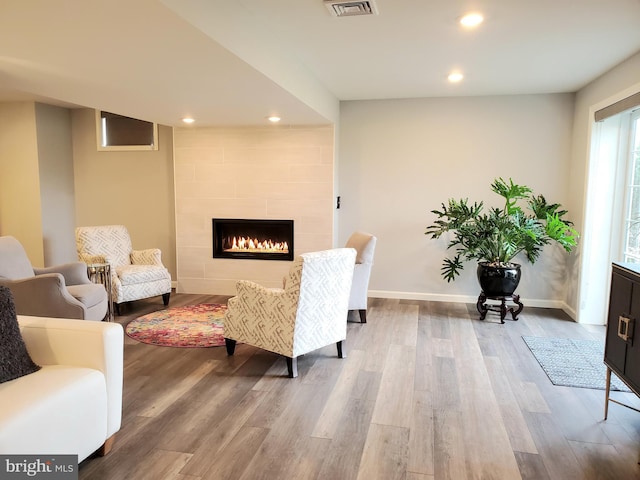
[(400, 159), (55, 158)]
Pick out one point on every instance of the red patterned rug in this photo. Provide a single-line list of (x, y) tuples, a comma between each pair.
[(191, 327)]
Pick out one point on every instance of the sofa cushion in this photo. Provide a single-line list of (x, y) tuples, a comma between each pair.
[(15, 360), (59, 409), (89, 294), (134, 274)]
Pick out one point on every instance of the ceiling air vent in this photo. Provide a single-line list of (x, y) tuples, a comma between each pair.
[(341, 8)]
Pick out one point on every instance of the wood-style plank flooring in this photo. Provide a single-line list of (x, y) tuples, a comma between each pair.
[(427, 391)]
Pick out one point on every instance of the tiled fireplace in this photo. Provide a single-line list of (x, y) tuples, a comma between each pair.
[(252, 239), (249, 173)]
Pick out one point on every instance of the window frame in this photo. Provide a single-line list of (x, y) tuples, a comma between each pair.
[(100, 133), (631, 155)]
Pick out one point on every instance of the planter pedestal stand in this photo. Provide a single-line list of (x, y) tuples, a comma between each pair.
[(484, 307)]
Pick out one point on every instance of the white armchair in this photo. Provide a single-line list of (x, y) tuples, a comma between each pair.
[(135, 274), (365, 245), (307, 314)]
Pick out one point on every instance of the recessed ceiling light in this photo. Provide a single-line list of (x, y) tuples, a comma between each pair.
[(471, 20), (455, 77), (273, 119), (188, 120)]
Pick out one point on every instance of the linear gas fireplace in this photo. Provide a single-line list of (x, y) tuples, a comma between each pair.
[(253, 239)]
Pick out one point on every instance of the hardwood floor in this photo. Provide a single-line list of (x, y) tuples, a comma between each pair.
[(427, 391)]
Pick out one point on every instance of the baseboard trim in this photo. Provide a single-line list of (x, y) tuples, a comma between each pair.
[(433, 297)]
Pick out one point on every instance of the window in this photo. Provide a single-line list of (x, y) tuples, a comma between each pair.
[(631, 227), (611, 228), (117, 132)]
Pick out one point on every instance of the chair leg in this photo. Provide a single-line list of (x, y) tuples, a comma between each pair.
[(117, 308), (363, 316), (341, 350), (231, 345), (165, 298), (292, 367)]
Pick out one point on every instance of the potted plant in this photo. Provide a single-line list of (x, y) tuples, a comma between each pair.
[(495, 237)]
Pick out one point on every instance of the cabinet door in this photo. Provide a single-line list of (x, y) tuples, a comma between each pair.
[(619, 304), (632, 362)]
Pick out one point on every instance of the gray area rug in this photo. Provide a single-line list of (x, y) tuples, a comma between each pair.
[(573, 363)]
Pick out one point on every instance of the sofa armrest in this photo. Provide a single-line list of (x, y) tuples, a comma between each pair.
[(251, 289), (360, 286), (44, 295), (149, 256), (74, 273), (96, 345), (257, 309), (89, 259)]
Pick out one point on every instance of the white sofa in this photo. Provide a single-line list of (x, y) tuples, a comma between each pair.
[(73, 404)]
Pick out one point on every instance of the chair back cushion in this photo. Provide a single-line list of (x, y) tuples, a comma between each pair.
[(365, 245), (111, 241), (325, 285), (14, 263), (308, 313)]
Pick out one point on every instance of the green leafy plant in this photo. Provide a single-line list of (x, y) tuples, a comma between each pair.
[(497, 236)]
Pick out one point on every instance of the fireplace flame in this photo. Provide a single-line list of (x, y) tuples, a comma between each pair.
[(253, 245)]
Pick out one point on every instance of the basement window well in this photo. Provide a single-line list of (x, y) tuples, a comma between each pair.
[(117, 132)]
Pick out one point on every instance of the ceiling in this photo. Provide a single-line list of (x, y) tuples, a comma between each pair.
[(235, 62)]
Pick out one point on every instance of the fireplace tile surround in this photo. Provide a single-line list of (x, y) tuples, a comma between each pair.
[(260, 173)]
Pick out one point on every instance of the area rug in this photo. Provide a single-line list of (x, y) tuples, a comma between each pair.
[(191, 327), (573, 363)]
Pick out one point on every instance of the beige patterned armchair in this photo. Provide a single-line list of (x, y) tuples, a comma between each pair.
[(308, 313), (135, 274)]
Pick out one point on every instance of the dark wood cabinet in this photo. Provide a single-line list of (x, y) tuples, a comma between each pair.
[(622, 351)]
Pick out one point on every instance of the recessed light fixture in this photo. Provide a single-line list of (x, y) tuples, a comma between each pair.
[(273, 119), (471, 20), (188, 120), (455, 77)]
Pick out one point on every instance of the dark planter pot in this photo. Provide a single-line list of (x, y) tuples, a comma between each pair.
[(498, 281)]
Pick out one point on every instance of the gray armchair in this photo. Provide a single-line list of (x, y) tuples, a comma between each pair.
[(63, 291)]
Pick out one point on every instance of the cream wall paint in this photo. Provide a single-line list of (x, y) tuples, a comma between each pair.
[(20, 207), (258, 173), (133, 188), (399, 159), (588, 291), (55, 160)]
